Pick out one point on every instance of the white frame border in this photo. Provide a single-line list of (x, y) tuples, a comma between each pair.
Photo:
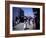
[(28, 31)]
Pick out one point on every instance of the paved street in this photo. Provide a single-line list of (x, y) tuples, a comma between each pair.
[(21, 26)]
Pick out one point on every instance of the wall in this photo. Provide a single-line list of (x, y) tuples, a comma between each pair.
[(2, 18)]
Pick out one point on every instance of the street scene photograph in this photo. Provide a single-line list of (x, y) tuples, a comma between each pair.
[(25, 18)]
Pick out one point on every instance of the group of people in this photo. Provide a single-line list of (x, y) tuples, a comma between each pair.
[(26, 20)]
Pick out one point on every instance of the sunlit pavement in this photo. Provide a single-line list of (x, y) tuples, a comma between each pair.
[(21, 26)]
